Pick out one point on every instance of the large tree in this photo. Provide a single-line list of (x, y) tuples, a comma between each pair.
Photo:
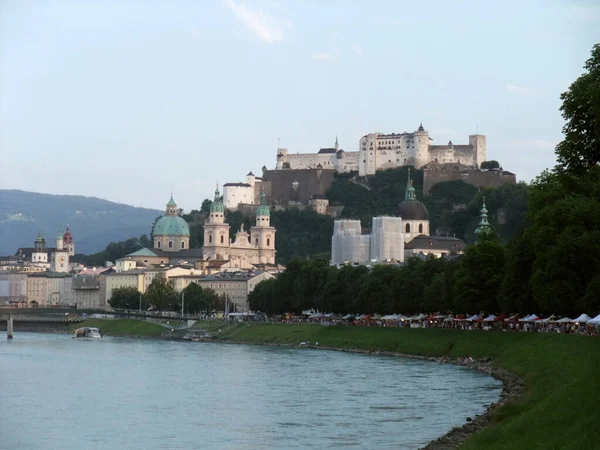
[(580, 150), (127, 298), (161, 293)]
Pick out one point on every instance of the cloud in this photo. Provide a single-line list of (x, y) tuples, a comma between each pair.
[(262, 25), (520, 90), (324, 56), (357, 50)]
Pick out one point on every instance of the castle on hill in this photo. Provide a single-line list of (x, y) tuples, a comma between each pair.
[(378, 151)]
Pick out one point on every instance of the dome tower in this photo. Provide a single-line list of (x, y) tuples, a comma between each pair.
[(216, 231), (262, 235), (171, 233), (414, 214)]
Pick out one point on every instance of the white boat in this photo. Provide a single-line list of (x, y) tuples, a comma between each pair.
[(87, 333)]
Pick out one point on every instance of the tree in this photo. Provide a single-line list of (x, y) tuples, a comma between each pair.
[(490, 165), (580, 150), (205, 208), (161, 293), (127, 298)]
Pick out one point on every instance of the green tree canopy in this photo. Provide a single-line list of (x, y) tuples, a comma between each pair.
[(489, 165), (127, 298), (580, 149), (161, 293)]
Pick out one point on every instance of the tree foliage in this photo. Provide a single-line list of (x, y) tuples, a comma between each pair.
[(161, 294), (490, 165), (127, 298), (580, 149)]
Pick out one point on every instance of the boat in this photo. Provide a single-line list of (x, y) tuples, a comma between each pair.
[(87, 333)]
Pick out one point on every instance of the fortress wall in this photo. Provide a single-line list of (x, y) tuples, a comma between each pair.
[(311, 160), (310, 182), (478, 178)]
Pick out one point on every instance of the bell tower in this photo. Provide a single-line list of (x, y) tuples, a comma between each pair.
[(262, 235), (216, 231)]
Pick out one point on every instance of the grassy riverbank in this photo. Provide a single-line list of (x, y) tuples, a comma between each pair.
[(124, 327), (559, 408)]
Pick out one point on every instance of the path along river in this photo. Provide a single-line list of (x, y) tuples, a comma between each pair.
[(61, 393)]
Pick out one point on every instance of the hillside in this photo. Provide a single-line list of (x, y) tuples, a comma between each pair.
[(94, 222), (453, 205)]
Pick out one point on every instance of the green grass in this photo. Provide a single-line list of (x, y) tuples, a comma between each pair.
[(123, 327), (560, 408)]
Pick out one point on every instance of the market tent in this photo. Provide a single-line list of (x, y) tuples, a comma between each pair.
[(533, 318), (473, 317), (440, 316), (490, 318), (595, 320), (564, 320), (502, 317), (348, 316), (582, 318), (377, 316)]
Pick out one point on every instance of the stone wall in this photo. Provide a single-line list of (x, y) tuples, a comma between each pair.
[(309, 182), (451, 172)]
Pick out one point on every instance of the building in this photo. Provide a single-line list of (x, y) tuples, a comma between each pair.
[(413, 213), (245, 193), (171, 233), (378, 151), (50, 289), (350, 246), (131, 278), (256, 247), (39, 257), (438, 246), (13, 288), (235, 286)]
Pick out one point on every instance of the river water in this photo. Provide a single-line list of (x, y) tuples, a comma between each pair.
[(61, 393)]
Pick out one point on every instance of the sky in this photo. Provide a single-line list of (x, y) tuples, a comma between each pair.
[(131, 100)]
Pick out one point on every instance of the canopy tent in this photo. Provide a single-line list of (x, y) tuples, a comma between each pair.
[(440, 316), (490, 318), (502, 317), (582, 319), (377, 316), (564, 320), (548, 319), (419, 317), (388, 317), (595, 320), (514, 318), (348, 316), (473, 317)]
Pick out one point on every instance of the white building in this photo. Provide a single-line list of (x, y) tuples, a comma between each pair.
[(247, 192), (378, 151)]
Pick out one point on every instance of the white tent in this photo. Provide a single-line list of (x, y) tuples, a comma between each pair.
[(418, 317), (490, 318), (564, 320), (526, 318), (348, 316), (595, 320), (532, 318), (582, 318)]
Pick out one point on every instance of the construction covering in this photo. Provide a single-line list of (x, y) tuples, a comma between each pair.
[(348, 245), (387, 239)]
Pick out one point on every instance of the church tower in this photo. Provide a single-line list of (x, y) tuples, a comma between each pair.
[(39, 255), (68, 242), (216, 231), (414, 214), (262, 236), (60, 258), (484, 230)]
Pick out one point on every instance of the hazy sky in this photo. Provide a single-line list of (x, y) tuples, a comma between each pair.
[(128, 100)]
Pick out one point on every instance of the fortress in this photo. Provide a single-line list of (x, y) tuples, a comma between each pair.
[(379, 151)]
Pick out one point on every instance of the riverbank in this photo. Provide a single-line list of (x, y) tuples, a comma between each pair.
[(557, 407)]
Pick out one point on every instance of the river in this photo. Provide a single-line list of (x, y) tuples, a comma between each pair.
[(115, 393)]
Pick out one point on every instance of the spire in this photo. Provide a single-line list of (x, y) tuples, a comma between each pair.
[(217, 204), (484, 227), (421, 127), (410, 190), (263, 209), (217, 193), (337, 146), (171, 202)]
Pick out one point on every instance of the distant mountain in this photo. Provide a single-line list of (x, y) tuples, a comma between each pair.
[(94, 222)]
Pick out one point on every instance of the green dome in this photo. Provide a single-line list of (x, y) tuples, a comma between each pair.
[(60, 236), (217, 204), (171, 226), (263, 209)]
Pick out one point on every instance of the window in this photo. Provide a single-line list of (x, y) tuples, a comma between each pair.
[(210, 238), (182, 244), (157, 244), (170, 244), (408, 227), (222, 239), (420, 228), (257, 241), (268, 242)]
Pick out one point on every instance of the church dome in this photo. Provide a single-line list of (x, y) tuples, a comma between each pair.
[(217, 204), (263, 209), (171, 226), (413, 210)]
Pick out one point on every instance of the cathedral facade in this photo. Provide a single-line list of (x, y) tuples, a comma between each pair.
[(256, 247)]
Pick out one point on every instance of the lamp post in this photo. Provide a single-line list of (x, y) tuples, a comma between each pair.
[(182, 302)]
